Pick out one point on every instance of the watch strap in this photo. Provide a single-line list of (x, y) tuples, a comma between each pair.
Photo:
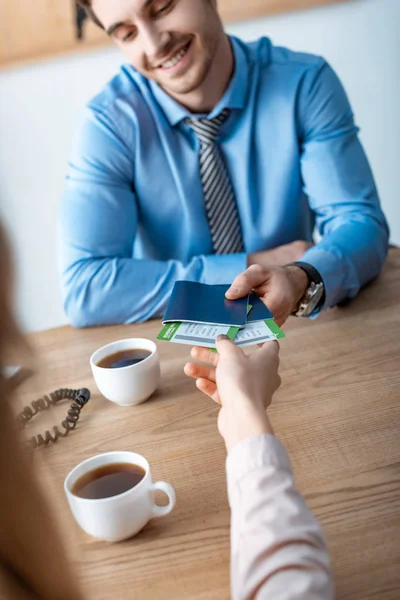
[(313, 276)]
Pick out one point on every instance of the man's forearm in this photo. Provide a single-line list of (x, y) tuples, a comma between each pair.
[(106, 291), (349, 256)]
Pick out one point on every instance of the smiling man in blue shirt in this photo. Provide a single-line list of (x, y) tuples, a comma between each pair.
[(207, 155)]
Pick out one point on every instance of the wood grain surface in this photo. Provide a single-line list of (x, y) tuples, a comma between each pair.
[(31, 31), (338, 412)]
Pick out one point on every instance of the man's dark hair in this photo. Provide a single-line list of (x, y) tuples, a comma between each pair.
[(86, 4)]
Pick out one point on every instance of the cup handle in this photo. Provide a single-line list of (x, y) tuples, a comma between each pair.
[(162, 511)]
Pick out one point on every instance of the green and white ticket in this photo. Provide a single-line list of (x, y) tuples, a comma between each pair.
[(258, 332), (195, 334), (203, 334)]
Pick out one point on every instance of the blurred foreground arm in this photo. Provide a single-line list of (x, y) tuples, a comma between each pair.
[(33, 564)]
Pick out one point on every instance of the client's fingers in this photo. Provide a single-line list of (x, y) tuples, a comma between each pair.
[(205, 355), (209, 388), (227, 348), (200, 371)]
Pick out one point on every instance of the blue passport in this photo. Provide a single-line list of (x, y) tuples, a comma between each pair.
[(200, 303), (259, 311)]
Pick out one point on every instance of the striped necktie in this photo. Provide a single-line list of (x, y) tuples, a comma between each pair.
[(219, 197)]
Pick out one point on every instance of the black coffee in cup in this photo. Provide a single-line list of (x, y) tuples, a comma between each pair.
[(108, 480), (124, 358)]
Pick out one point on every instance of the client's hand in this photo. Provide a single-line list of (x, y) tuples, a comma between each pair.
[(243, 385)]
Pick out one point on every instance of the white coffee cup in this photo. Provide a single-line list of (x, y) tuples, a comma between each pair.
[(130, 385), (119, 517)]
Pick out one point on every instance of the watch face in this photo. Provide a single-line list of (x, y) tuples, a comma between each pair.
[(311, 300)]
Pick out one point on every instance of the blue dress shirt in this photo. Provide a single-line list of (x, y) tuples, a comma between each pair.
[(133, 219)]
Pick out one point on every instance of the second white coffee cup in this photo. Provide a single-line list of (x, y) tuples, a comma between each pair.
[(118, 517), (129, 385)]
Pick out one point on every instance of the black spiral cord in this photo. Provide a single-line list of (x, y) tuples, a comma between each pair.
[(80, 399)]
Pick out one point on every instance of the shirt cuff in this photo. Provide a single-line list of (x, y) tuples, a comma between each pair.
[(251, 454), (223, 268), (328, 266)]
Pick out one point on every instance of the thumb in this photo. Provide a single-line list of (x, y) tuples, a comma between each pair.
[(226, 348), (254, 277), (268, 353)]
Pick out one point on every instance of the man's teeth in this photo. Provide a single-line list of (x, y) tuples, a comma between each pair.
[(174, 61)]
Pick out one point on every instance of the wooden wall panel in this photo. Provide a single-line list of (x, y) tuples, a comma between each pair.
[(32, 30), (239, 10)]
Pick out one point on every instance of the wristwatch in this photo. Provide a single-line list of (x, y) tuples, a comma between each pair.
[(314, 295)]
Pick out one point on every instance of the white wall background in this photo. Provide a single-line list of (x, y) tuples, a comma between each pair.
[(39, 107)]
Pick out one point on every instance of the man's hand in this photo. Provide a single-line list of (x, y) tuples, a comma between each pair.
[(280, 256), (280, 288)]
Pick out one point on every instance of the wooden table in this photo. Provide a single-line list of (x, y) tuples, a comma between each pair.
[(338, 412)]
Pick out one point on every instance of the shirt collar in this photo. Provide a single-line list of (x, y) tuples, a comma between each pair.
[(234, 97)]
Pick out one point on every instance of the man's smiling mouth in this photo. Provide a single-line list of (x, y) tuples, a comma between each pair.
[(172, 62)]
